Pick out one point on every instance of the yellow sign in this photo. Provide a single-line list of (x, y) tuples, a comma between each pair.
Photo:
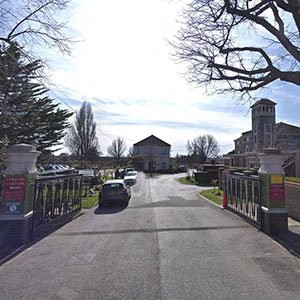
[(277, 179)]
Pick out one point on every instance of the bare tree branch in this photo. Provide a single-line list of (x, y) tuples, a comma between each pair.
[(117, 149), (240, 46), (34, 22), (203, 147)]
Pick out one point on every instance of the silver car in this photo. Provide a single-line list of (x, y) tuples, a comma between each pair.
[(130, 177), (114, 190)]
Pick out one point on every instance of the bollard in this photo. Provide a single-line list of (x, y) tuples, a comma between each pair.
[(224, 200)]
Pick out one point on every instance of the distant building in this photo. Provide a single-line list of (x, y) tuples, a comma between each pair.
[(267, 133), (154, 154)]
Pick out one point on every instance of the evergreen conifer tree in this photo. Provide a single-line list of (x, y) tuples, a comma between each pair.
[(27, 114)]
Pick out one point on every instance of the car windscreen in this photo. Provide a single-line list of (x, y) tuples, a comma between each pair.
[(130, 174), (112, 186)]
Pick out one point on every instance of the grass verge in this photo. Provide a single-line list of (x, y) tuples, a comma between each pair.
[(88, 202), (292, 179), (187, 180), (213, 195)]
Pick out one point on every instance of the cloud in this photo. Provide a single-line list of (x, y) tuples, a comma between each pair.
[(123, 68)]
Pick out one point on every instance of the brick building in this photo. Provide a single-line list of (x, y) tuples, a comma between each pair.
[(267, 133)]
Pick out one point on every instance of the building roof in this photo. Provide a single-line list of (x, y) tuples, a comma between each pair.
[(263, 101), (289, 127), (227, 154), (247, 132), (151, 141)]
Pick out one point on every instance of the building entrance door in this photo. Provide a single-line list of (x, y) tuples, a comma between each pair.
[(152, 166)]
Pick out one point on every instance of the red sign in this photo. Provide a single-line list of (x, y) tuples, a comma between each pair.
[(14, 188), (276, 192)]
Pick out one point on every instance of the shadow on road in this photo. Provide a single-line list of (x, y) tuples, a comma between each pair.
[(37, 235), (289, 240), (112, 209)]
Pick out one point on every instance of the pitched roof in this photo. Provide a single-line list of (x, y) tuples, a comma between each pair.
[(263, 101), (247, 132), (151, 141), (289, 127)]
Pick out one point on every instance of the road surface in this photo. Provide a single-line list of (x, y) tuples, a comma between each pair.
[(167, 244)]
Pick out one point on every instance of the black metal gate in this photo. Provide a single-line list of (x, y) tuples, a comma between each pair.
[(244, 197), (56, 196)]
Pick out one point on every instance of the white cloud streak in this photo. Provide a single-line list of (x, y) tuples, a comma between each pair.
[(124, 68)]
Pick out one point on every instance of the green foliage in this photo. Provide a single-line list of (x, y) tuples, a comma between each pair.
[(293, 179), (90, 201), (27, 114), (214, 195), (187, 180), (3, 149), (173, 169)]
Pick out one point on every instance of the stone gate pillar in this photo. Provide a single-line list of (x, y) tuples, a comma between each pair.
[(271, 173), (17, 195)]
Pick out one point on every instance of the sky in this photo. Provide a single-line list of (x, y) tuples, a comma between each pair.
[(123, 66)]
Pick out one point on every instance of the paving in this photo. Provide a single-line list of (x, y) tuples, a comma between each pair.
[(167, 244)]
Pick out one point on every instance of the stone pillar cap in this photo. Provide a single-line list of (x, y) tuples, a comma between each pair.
[(268, 151), (22, 148)]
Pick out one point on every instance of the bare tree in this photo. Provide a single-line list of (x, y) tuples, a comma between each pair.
[(117, 149), (33, 23), (81, 136), (241, 45), (130, 152), (203, 147)]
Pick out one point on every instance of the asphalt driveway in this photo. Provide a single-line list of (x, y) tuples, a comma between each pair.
[(167, 244)]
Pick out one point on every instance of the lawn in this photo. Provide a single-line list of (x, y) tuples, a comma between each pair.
[(293, 179), (213, 195), (187, 180), (88, 202)]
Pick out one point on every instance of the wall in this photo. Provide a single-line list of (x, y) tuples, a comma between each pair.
[(159, 160), (292, 196), (157, 154), (152, 150)]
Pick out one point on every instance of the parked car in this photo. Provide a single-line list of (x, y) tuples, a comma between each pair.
[(120, 173), (129, 170), (182, 169), (114, 190), (54, 169), (130, 177)]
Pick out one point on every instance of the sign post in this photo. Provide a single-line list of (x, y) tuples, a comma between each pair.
[(271, 173), (18, 193)]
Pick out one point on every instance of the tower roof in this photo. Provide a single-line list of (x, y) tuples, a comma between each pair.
[(263, 101)]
